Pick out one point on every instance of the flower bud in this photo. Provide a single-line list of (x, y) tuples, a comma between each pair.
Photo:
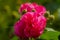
[(51, 17), (24, 11), (47, 14), (33, 10)]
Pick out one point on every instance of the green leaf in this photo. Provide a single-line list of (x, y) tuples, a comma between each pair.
[(14, 38), (50, 35)]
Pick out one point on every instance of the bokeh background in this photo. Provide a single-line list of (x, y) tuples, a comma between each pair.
[(9, 15)]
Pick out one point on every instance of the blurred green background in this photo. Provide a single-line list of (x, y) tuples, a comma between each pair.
[(9, 15)]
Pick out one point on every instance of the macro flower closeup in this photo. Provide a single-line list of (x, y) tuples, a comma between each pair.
[(30, 25), (29, 19)]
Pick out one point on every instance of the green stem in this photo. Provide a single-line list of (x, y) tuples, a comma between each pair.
[(31, 38)]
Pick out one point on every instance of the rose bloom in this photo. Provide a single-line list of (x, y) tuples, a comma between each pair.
[(26, 7), (30, 25), (32, 7), (40, 9)]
